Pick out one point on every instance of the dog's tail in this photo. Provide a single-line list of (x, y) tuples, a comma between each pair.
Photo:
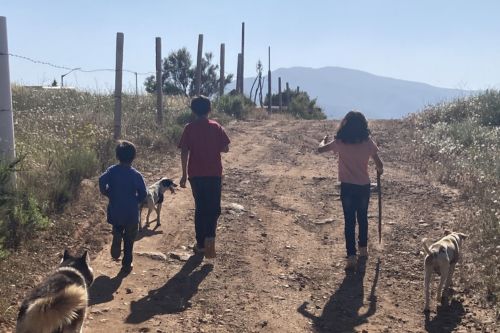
[(52, 312), (426, 247)]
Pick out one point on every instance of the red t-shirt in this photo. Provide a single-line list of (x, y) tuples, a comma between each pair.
[(205, 139)]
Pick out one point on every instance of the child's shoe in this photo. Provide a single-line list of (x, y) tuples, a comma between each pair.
[(351, 262), (198, 250), (210, 247), (363, 251)]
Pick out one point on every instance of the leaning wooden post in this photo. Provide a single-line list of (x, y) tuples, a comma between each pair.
[(298, 89), (159, 83), (222, 60), (118, 85), (198, 64), (7, 143), (269, 81), (242, 72), (279, 95), (288, 97)]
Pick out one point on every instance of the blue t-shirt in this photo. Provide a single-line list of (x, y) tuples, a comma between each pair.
[(125, 188)]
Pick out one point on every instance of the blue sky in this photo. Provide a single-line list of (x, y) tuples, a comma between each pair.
[(445, 43)]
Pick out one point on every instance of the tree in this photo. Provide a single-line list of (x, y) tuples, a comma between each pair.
[(178, 75), (54, 83)]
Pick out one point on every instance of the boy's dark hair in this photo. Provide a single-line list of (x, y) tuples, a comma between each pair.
[(353, 128), (201, 106), (125, 151)]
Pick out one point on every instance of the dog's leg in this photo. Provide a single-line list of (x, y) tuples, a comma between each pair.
[(158, 210), (449, 280), (147, 216), (427, 281), (444, 277), (140, 218)]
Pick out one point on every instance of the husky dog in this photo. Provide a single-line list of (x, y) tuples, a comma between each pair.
[(154, 198), (441, 258), (59, 303)]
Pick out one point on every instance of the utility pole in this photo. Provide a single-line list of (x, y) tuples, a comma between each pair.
[(198, 64), (136, 87), (238, 75), (118, 86), (280, 99), (159, 81), (7, 143)]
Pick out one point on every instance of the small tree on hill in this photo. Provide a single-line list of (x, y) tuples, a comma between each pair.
[(178, 75)]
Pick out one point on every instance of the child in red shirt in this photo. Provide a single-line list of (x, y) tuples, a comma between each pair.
[(201, 144), (355, 147)]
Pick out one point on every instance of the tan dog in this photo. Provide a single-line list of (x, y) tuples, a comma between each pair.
[(441, 258), (154, 199), (59, 303)]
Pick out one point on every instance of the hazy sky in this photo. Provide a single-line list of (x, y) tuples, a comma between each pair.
[(447, 43)]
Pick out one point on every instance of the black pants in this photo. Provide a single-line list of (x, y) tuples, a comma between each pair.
[(206, 193), (128, 233), (355, 199)]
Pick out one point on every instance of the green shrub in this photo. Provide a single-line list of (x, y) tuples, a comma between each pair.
[(237, 106), (301, 106)]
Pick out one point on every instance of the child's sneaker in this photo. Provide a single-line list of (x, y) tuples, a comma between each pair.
[(210, 247), (363, 251), (351, 262), (198, 250)]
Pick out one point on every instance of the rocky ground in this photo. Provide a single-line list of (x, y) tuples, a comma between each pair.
[(280, 247)]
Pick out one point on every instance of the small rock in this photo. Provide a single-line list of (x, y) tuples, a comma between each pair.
[(152, 255), (128, 291), (324, 221), (178, 255)]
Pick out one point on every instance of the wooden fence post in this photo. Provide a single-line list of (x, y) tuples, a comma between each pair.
[(238, 75), (118, 86), (198, 64), (269, 81), (222, 60), (159, 83), (242, 72), (280, 99), (7, 143)]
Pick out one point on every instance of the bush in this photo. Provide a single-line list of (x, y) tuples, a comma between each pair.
[(301, 106), (237, 106), (20, 214)]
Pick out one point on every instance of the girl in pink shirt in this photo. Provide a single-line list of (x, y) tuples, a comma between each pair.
[(354, 147)]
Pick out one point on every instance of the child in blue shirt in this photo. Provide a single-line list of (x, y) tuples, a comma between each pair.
[(125, 188)]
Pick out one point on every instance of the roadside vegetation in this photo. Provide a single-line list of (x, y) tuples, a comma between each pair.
[(458, 143)]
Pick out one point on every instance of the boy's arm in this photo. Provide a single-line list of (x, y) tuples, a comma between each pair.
[(324, 146), (378, 163), (184, 162), (103, 184), (141, 190)]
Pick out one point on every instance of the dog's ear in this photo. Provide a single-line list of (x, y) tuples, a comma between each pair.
[(447, 232), (66, 255), (85, 256), (462, 236)]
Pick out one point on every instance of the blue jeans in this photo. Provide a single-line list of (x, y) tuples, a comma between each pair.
[(355, 199), (207, 194), (127, 233)]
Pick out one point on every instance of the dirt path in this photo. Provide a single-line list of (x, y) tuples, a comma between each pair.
[(280, 259)]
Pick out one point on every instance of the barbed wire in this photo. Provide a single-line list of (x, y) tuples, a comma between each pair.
[(75, 69)]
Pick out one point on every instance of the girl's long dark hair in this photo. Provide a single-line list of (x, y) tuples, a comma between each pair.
[(353, 128)]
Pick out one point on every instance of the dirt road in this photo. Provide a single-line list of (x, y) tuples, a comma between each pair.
[(280, 256)]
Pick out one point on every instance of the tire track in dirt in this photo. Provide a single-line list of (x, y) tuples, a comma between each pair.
[(280, 259)]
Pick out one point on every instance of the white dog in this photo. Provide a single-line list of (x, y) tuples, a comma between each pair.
[(441, 258), (154, 199)]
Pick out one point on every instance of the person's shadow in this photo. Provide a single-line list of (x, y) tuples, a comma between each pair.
[(340, 313), (174, 295), (103, 288), (447, 318)]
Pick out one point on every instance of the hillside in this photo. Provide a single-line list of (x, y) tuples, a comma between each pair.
[(339, 90)]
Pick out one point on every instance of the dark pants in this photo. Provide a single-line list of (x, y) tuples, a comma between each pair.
[(355, 199), (206, 193), (128, 233)]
